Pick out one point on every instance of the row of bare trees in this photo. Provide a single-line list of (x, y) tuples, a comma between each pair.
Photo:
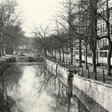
[(94, 10), (76, 23), (10, 27), (10, 35)]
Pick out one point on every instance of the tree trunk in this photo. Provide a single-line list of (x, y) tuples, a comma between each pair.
[(4, 49), (109, 39), (70, 33), (63, 54), (71, 50), (109, 59), (93, 29), (45, 53), (55, 54), (70, 89), (59, 54), (94, 60), (80, 53), (86, 61)]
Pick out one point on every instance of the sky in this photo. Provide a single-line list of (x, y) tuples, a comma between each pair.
[(36, 13)]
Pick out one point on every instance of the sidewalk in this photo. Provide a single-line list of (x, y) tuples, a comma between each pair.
[(101, 74)]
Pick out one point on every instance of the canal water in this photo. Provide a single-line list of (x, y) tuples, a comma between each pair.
[(30, 89)]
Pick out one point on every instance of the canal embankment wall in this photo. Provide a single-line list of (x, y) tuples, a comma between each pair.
[(94, 95)]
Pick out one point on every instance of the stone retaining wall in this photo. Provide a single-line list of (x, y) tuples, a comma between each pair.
[(96, 96)]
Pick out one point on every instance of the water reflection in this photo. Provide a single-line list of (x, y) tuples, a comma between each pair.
[(25, 90), (32, 89)]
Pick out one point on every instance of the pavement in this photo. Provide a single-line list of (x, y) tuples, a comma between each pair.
[(101, 74)]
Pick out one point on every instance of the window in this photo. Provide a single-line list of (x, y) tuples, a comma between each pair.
[(103, 54)]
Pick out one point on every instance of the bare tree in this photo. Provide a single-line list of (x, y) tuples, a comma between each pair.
[(68, 8), (106, 18), (88, 10), (91, 7), (42, 33), (95, 10), (62, 37), (12, 40), (109, 38), (7, 17)]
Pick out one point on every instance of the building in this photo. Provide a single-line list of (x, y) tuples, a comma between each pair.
[(102, 43)]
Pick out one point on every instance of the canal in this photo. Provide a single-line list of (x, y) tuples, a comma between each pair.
[(31, 88)]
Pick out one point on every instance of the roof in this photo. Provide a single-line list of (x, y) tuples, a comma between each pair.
[(105, 48)]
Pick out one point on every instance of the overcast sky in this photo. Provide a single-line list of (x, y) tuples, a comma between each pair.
[(36, 12)]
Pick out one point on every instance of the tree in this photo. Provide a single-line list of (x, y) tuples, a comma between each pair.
[(109, 39), (96, 9), (7, 17), (42, 33), (13, 37), (106, 18), (67, 18), (62, 38), (91, 8)]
